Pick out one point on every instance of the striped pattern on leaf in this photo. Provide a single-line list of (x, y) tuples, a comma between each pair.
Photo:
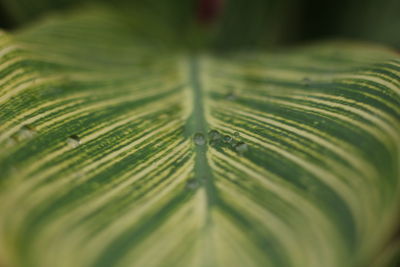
[(99, 166)]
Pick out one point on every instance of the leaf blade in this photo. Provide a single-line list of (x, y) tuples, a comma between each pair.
[(308, 175)]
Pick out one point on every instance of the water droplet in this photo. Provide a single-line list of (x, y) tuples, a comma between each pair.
[(241, 147), (233, 143), (155, 163), (11, 141), (25, 132), (231, 96), (227, 139), (199, 139), (73, 141), (306, 81), (56, 90), (214, 135), (214, 143), (192, 184), (236, 134)]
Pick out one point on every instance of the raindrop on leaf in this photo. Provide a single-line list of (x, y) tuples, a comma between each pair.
[(26, 132), (11, 141), (199, 139), (227, 139), (231, 96), (73, 141), (214, 135), (306, 81), (241, 147), (192, 184)]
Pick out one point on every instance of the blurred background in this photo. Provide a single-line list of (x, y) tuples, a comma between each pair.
[(244, 23)]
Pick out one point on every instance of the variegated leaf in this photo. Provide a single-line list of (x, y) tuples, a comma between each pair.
[(117, 150)]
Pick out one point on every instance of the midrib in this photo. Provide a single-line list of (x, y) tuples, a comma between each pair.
[(197, 123)]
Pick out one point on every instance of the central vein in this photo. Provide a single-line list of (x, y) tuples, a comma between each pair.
[(198, 124)]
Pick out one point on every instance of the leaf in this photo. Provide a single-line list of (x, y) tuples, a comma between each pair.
[(103, 163)]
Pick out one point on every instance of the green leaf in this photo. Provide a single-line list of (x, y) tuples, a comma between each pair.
[(103, 161)]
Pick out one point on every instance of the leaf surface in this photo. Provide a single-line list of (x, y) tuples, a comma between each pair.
[(106, 158)]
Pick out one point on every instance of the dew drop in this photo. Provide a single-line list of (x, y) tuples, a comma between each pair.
[(199, 139), (227, 139), (56, 91), (231, 96), (192, 184), (241, 147), (214, 143), (233, 143), (155, 163), (236, 134), (306, 81), (11, 141), (214, 135), (26, 132), (73, 141)]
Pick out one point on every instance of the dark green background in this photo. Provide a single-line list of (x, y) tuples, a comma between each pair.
[(247, 23)]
